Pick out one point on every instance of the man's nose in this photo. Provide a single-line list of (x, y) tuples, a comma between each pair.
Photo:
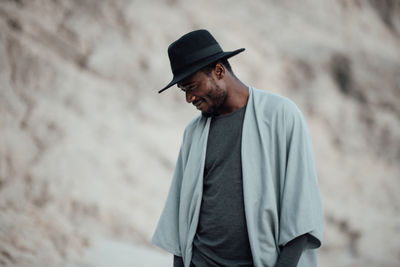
[(189, 97)]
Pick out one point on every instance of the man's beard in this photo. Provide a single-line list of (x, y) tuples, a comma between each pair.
[(217, 97)]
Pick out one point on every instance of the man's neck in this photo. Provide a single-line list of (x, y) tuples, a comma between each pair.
[(238, 94)]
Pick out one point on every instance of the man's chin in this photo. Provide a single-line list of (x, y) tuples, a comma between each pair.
[(206, 115), (209, 113)]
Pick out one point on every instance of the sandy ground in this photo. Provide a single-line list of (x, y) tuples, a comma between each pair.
[(106, 253)]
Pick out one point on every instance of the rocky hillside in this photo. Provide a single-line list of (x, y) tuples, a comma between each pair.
[(87, 146)]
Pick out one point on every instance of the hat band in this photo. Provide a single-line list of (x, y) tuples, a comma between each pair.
[(200, 54)]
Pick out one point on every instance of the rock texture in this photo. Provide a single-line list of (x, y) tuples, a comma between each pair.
[(87, 146)]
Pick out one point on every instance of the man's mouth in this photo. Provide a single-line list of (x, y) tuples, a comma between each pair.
[(198, 103)]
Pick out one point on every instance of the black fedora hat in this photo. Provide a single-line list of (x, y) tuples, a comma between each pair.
[(192, 52)]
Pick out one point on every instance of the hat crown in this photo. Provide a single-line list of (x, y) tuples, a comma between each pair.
[(192, 47)]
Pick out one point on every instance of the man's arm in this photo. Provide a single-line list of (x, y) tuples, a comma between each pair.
[(178, 261), (291, 252)]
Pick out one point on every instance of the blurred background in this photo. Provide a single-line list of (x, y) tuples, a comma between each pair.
[(88, 147)]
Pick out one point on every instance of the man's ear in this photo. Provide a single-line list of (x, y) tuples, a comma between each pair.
[(219, 71)]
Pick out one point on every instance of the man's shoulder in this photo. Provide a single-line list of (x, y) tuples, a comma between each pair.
[(273, 103), (194, 123), (197, 123)]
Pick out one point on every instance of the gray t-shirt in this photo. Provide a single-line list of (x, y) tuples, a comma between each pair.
[(221, 238)]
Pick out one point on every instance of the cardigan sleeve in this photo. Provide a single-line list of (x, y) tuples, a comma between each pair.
[(300, 200)]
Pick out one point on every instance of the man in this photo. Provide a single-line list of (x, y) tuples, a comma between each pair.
[(244, 190)]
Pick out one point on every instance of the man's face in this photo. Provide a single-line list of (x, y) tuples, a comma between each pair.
[(204, 93)]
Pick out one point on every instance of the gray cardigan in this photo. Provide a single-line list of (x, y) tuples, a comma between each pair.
[(281, 194)]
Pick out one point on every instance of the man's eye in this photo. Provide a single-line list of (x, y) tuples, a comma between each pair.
[(188, 89)]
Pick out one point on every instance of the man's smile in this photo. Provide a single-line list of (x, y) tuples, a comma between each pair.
[(198, 103)]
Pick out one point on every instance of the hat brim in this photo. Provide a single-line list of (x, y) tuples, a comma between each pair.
[(199, 65)]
